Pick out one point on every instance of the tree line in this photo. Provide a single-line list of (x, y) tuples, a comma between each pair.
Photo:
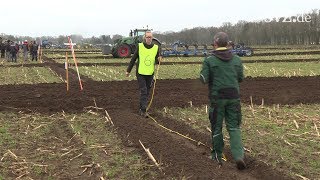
[(294, 30)]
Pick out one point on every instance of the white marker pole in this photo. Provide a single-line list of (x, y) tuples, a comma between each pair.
[(75, 61)]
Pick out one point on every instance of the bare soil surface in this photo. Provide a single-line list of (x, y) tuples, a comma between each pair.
[(178, 156)]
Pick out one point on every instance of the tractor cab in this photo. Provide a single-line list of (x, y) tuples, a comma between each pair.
[(138, 32)]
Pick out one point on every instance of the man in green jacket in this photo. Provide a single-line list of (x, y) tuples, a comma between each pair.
[(147, 54), (222, 72)]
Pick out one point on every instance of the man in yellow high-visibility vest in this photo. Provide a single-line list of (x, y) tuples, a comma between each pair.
[(148, 55)]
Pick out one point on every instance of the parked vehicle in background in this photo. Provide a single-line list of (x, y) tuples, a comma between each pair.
[(126, 46), (46, 44), (241, 50)]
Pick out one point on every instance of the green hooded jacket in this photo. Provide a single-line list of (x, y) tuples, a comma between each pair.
[(223, 71)]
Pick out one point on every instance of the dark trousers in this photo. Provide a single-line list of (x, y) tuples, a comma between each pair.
[(145, 83), (2, 53), (14, 57), (34, 56)]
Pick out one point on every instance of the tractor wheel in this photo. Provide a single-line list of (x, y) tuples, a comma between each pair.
[(134, 47), (124, 51), (157, 42), (114, 52), (154, 41), (115, 55)]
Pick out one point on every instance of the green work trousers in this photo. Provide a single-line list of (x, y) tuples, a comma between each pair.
[(230, 110)]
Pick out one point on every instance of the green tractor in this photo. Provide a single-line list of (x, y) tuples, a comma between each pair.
[(126, 46)]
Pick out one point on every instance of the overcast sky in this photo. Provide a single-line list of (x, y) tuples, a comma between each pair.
[(96, 17)]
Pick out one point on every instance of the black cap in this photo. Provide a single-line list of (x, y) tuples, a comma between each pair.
[(221, 39)]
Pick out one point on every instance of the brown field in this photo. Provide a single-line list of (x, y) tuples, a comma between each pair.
[(180, 158)]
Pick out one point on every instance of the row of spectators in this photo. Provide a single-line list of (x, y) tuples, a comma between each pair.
[(10, 50)]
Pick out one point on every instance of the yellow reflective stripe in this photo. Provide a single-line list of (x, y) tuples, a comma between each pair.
[(221, 48)]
